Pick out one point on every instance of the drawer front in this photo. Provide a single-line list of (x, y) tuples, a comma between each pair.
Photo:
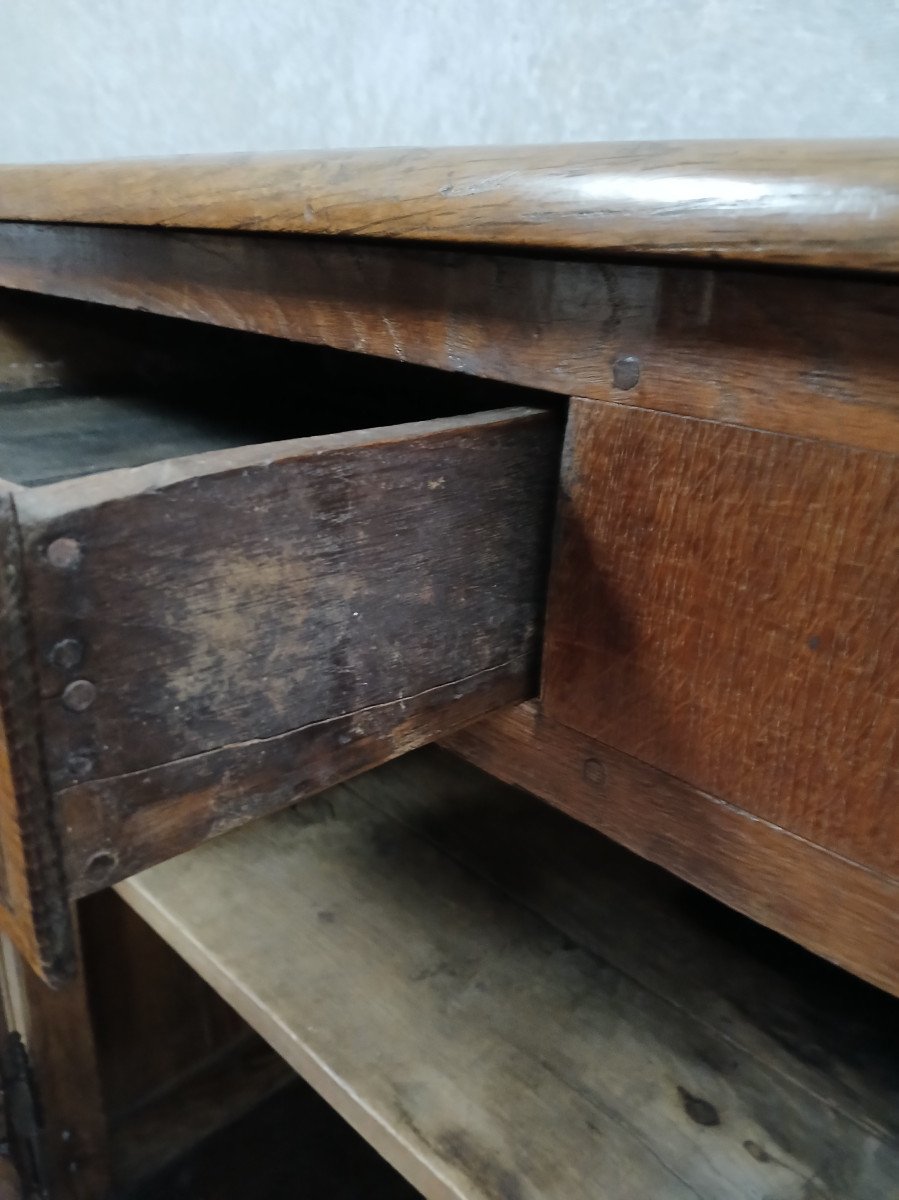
[(219, 635)]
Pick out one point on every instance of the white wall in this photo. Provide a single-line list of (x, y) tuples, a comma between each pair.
[(99, 78)]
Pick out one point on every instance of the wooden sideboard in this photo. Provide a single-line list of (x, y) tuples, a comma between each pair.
[(288, 438)]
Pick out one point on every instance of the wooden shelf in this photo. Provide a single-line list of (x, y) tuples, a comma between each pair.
[(508, 1006)]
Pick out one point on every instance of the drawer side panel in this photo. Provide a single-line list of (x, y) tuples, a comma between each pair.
[(248, 627)]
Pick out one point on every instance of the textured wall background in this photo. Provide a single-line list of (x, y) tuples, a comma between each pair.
[(97, 78)]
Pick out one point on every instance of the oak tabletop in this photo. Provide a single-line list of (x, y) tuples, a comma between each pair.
[(832, 204)]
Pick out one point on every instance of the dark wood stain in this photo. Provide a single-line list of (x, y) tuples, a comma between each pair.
[(790, 352), (33, 908), (57, 1027), (699, 1110), (414, 555), (367, 592)]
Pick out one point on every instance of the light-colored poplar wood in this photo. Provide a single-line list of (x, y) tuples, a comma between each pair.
[(506, 1013)]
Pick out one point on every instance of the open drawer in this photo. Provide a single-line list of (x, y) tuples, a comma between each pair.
[(205, 630)]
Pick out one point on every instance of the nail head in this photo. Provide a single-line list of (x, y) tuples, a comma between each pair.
[(100, 864), (595, 772), (67, 654), (80, 764), (626, 372), (79, 695), (64, 553)]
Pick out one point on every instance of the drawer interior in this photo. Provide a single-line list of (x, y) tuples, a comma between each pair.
[(86, 389), (52, 433)]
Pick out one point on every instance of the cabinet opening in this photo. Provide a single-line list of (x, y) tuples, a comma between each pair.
[(86, 389)]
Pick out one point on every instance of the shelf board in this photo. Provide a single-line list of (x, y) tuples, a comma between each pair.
[(507, 1006)]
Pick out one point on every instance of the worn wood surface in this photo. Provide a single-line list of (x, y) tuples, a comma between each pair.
[(278, 582), (797, 353), (33, 907), (494, 998), (837, 908), (56, 1028), (304, 610), (812, 203), (723, 606)]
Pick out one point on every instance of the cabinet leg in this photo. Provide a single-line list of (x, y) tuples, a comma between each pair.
[(56, 1029)]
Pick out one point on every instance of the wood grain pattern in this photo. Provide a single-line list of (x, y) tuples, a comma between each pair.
[(255, 624), (278, 583), (33, 908), (834, 907), (660, 937), (523, 1025), (802, 354), (80, 347), (114, 827), (833, 204), (723, 607)]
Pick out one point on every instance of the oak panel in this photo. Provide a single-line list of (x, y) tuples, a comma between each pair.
[(839, 909), (723, 607)]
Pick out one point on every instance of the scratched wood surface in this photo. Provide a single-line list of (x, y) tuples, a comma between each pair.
[(302, 610), (812, 203), (723, 607), (812, 355), (506, 1005), (839, 909), (33, 908)]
